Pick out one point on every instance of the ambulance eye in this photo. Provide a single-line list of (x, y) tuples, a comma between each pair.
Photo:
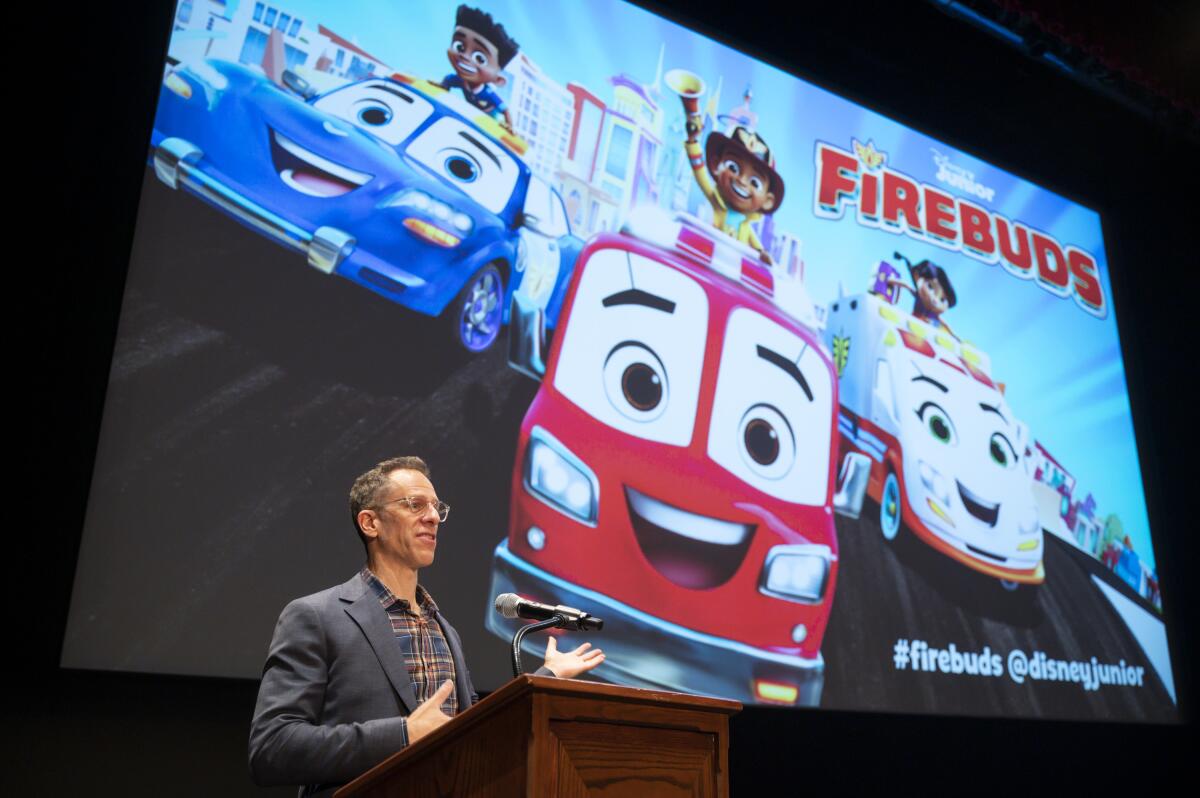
[(938, 423), (768, 445), (1003, 453), (636, 381), (731, 165)]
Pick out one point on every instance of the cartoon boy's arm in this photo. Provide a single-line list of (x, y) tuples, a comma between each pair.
[(696, 158), (902, 284), (753, 241)]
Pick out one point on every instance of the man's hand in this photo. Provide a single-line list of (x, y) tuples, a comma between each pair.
[(569, 664), (429, 715)]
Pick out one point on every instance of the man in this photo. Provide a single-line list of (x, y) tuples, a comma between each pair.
[(359, 671)]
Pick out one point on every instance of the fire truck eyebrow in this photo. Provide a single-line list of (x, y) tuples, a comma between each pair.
[(636, 296), (992, 409), (482, 148), (931, 381), (791, 368)]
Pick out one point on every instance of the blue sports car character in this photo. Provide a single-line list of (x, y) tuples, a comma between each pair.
[(391, 182)]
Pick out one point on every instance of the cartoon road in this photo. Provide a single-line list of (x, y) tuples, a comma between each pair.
[(247, 386)]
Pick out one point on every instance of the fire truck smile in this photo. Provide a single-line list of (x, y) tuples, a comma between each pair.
[(691, 550), (985, 511)]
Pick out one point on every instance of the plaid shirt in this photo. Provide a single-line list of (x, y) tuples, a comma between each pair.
[(420, 637)]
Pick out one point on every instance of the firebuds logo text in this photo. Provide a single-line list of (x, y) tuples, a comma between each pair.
[(891, 201)]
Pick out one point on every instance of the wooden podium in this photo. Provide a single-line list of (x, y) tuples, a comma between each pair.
[(539, 736)]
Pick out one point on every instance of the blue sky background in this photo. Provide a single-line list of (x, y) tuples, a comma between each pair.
[(1062, 367)]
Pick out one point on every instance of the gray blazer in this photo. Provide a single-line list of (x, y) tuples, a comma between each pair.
[(334, 690)]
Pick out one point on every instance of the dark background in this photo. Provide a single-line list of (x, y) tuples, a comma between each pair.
[(144, 735)]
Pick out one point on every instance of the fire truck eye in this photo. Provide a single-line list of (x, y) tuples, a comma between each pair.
[(762, 441), (768, 443), (636, 381), (641, 386)]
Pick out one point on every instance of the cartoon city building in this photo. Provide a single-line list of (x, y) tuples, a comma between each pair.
[(674, 474), (590, 208), (614, 151), (543, 112), (198, 26), (947, 451), (245, 36)]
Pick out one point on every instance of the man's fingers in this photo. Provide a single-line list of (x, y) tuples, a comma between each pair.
[(551, 646), (582, 648), (435, 701)]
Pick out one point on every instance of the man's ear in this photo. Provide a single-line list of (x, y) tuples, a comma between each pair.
[(500, 80), (768, 202), (367, 521)]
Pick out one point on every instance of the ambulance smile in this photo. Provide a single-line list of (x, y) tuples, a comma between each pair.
[(309, 173), (691, 550), (985, 511)]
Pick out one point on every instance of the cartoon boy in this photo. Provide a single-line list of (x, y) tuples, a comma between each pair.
[(479, 49), (933, 294), (747, 185)]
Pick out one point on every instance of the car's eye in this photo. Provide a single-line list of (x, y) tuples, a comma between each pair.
[(1002, 452), (731, 165), (479, 58), (768, 443), (462, 168), (375, 115), (636, 381), (938, 422)]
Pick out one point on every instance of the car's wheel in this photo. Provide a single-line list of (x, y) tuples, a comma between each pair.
[(475, 314), (890, 515)]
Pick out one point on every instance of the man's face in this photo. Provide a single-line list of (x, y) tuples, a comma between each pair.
[(475, 59), (403, 537), (932, 296), (743, 184)]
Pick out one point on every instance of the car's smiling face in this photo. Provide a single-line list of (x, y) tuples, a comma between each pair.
[(386, 110), (966, 447)]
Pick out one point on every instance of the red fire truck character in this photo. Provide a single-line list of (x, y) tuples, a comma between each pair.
[(949, 457), (673, 474)]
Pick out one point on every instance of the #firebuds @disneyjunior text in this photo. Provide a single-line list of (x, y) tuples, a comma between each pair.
[(917, 655)]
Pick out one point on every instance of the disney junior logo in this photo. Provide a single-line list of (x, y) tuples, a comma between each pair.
[(953, 175)]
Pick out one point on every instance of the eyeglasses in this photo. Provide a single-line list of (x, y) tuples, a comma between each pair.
[(418, 506)]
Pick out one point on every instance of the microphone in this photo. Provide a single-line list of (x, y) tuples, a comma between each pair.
[(510, 605)]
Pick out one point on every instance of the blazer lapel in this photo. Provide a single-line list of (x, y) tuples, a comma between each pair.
[(370, 617), (462, 685)]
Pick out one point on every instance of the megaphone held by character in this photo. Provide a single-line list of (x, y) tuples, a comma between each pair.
[(744, 185)]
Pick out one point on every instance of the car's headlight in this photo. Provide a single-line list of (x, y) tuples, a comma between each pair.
[(434, 208), (799, 573), (560, 478)]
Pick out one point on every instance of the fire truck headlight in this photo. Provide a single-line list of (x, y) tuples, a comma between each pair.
[(799, 573), (560, 478), (935, 483)]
